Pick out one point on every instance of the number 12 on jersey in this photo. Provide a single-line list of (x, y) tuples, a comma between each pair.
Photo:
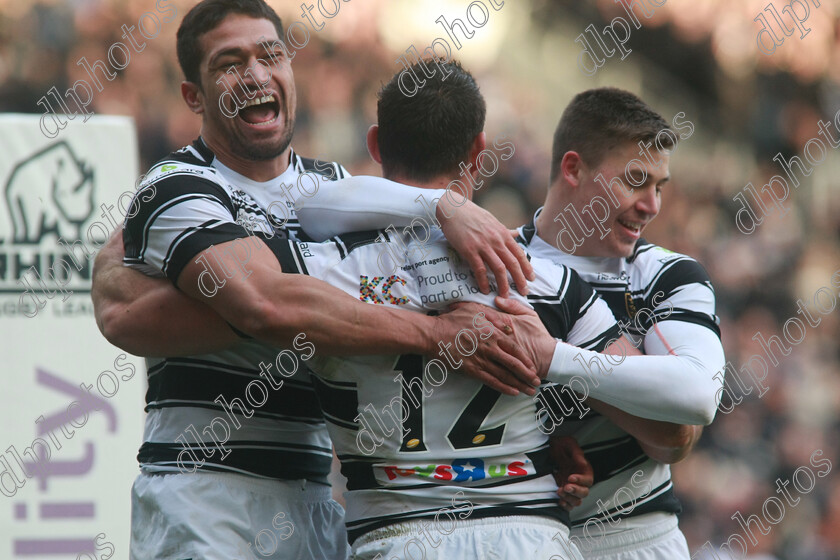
[(465, 433)]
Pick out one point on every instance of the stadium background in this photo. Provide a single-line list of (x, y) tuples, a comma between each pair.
[(698, 56)]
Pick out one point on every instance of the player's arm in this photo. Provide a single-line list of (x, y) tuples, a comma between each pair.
[(365, 202), (150, 317), (682, 388), (665, 442), (147, 316), (680, 378), (275, 307), (187, 233), (678, 381)]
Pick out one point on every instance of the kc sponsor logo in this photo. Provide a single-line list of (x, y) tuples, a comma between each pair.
[(462, 470), (368, 289)]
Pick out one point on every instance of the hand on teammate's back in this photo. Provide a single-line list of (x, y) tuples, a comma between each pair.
[(485, 244), (572, 472), (499, 361)]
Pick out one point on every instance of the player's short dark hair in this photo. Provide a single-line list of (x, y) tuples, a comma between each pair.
[(206, 16), (428, 134), (599, 120)]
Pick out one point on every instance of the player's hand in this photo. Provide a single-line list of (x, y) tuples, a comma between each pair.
[(530, 333), (485, 244), (499, 361), (572, 472)]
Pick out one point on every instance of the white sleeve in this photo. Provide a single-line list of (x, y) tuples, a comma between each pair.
[(682, 387), (363, 203)]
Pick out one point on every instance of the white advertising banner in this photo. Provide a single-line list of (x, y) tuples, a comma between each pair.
[(71, 404)]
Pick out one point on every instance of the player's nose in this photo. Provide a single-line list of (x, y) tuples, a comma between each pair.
[(649, 202), (257, 74)]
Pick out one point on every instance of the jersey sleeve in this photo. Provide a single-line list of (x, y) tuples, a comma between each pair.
[(595, 327), (174, 218), (682, 291), (365, 203), (577, 314)]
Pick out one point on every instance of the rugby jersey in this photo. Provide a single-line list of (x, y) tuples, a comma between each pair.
[(187, 203), (454, 434), (652, 285)]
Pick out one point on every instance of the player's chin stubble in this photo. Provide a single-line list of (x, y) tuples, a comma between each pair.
[(263, 151)]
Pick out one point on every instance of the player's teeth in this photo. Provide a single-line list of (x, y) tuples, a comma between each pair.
[(630, 225), (259, 100)]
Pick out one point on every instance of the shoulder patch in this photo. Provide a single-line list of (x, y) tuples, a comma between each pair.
[(328, 170)]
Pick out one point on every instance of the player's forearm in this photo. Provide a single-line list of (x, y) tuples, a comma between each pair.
[(678, 388), (335, 322), (665, 442), (678, 443), (363, 203)]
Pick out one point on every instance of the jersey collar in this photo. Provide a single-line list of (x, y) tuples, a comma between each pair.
[(294, 168)]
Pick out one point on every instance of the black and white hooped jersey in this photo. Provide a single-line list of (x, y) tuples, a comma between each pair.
[(415, 438), (187, 203), (651, 286)]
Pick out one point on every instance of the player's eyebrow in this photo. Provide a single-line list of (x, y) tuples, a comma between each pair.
[(637, 177), (232, 51)]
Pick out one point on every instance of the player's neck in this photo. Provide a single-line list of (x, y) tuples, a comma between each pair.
[(259, 171)]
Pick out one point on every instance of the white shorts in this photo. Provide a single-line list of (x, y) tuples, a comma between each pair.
[(222, 516), (655, 536), (491, 538)]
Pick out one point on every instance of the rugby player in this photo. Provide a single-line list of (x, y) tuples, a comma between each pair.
[(186, 216), (663, 300)]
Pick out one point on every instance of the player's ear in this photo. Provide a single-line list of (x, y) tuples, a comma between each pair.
[(479, 143), (571, 168), (193, 97), (373, 143)]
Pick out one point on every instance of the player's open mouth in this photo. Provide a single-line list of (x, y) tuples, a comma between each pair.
[(634, 228), (260, 111)]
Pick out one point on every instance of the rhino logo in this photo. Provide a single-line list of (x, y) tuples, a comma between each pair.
[(51, 191)]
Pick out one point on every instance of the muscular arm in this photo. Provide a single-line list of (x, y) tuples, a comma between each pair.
[(276, 307), (147, 316)]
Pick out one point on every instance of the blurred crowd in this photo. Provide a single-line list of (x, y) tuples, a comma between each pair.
[(743, 118)]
